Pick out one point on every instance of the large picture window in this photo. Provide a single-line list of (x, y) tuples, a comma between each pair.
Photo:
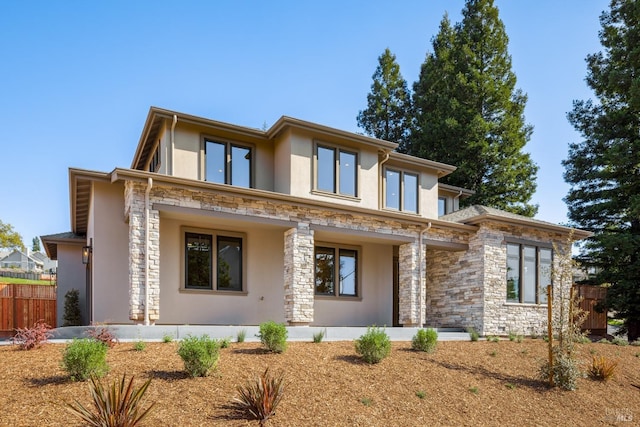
[(336, 171), (401, 190), (227, 163), (202, 259), (528, 273), (336, 271)]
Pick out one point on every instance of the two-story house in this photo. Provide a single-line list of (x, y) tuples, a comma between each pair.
[(301, 223)]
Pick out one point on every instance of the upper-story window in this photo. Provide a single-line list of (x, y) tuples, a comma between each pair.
[(401, 190), (442, 206), (228, 163), (154, 165), (528, 273), (336, 170)]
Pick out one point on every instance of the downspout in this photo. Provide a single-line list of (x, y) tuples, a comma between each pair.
[(422, 285), (173, 128), (386, 157), (146, 250), (453, 208)]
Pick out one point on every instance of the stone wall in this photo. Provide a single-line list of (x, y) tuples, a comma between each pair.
[(410, 282), (299, 275)]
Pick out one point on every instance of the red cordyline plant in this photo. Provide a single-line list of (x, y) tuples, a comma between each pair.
[(34, 337), (118, 406), (260, 398)]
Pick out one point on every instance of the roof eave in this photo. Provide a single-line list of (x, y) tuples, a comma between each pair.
[(578, 234)]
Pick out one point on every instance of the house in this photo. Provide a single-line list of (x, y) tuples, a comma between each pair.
[(301, 223), (22, 261), (48, 265)]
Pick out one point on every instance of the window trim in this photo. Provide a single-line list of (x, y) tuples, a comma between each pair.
[(337, 247), (337, 149), (538, 246), (215, 234), (228, 163), (401, 200), (445, 210)]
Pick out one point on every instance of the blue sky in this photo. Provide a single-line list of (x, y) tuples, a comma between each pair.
[(78, 77)]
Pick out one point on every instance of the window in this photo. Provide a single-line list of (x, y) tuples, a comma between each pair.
[(227, 163), (528, 273), (200, 262), (344, 273), (442, 206), (154, 165), (401, 192), (336, 171)]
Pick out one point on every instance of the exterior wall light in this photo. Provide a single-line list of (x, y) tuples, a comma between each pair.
[(86, 254)]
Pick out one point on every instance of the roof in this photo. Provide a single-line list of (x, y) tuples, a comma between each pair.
[(477, 214), (51, 242), (19, 256), (463, 192)]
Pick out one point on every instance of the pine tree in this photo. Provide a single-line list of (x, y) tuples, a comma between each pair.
[(35, 244), (388, 103), (604, 168), (468, 112)]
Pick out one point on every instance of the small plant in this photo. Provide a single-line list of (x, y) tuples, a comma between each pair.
[(167, 338), (512, 336), (525, 351), (534, 334), (510, 386), (273, 336), (493, 353), (604, 341), (103, 334), (421, 394), (139, 345), (620, 341), (493, 338), (199, 354), (71, 315), (84, 358), (366, 401), (318, 337), (425, 340), (583, 339), (261, 397), (602, 368), (593, 351), (519, 338), (374, 345), (33, 337), (473, 334), (636, 343), (473, 390), (118, 406), (241, 335), (565, 370), (637, 354), (224, 342)]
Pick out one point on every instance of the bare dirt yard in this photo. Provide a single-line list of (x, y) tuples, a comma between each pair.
[(461, 384)]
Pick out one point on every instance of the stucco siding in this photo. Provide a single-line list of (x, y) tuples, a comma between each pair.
[(110, 268), (71, 275)]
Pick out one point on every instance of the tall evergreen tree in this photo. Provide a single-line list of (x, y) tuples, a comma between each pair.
[(388, 103), (35, 244), (604, 168), (468, 112)]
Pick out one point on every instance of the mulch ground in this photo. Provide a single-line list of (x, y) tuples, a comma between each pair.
[(461, 384)]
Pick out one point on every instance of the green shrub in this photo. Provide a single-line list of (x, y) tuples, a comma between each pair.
[(139, 346), (620, 341), (493, 338), (199, 354), (71, 316), (167, 338), (512, 336), (84, 358), (273, 336), (224, 342), (260, 398), (118, 406), (636, 343), (425, 340), (473, 334), (565, 370), (318, 337), (374, 345), (241, 335), (421, 394)]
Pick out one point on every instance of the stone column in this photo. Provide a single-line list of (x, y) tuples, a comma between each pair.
[(409, 284), (298, 275), (135, 213)]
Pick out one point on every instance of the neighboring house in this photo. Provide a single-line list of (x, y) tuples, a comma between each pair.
[(300, 223), (22, 261), (48, 265)]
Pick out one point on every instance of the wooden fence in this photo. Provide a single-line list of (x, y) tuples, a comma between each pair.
[(23, 305), (595, 322)]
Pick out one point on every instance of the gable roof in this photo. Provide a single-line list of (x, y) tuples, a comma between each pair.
[(478, 214), (51, 241)]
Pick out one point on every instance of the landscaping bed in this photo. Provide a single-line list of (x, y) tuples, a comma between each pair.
[(461, 383)]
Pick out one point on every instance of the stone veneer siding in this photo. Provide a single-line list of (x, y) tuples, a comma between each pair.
[(299, 275), (298, 309), (468, 288)]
